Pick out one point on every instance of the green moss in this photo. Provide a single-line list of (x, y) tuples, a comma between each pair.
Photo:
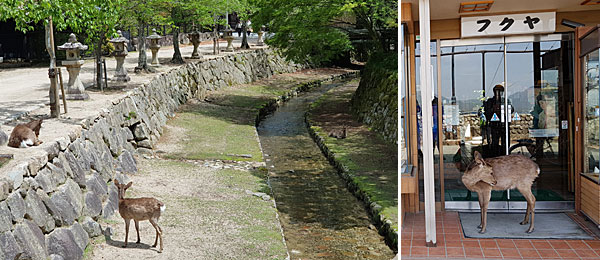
[(216, 132), (365, 154), (378, 91)]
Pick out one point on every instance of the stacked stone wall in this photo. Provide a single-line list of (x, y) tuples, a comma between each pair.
[(375, 101), (50, 204)]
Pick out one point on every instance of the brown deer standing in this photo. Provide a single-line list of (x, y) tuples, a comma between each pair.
[(140, 209), (25, 135), (502, 173)]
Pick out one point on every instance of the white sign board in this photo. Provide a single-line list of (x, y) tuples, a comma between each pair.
[(508, 24)]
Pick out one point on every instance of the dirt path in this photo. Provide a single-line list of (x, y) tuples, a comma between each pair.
[(211, 213)]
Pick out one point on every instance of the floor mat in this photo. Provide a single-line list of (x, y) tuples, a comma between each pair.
[(506, 225)]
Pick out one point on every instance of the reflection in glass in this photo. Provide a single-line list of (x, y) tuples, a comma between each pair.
[(592, 115)]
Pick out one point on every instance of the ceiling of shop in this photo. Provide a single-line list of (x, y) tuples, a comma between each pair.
[(448, 9)]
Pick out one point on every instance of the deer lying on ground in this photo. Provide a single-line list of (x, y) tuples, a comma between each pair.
[(25, 135), (502, 173), (339, 133), (140, 209)]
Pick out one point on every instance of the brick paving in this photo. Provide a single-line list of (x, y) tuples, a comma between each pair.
[(451, 243)]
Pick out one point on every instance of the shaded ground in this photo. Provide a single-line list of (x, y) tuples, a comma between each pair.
[(371, 161)]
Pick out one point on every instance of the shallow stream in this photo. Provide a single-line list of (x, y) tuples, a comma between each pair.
[(321, 219)]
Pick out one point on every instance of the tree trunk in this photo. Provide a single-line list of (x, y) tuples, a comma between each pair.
[(215, 38), (142, 58), (245, 44), (52, 71), (177, 59), (98, 55)]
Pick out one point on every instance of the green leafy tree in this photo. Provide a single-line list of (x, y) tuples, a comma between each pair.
[(142, 13), (192, 12), (104, 16), (244, 9), (317, 31)]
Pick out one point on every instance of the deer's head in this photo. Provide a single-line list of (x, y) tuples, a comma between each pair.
[(478, 171), (122, 188), (35, 126)]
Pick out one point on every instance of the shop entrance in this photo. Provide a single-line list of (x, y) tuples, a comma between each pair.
[(502, 96)]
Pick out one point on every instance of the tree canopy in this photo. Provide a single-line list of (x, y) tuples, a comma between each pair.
[(318, 31)]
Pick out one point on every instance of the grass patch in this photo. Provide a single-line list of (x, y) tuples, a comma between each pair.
[(216, 132), (369, 159)]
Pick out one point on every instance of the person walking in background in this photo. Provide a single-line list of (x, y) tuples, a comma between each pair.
[(238, 28), (248, 28)]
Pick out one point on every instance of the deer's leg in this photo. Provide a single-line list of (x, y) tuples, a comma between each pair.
[(127, 222), (486, 201), (158, 234), (530, 207), (481, 210), (137, 229)]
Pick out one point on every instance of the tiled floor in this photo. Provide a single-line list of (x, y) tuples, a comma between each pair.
[(451, 244)]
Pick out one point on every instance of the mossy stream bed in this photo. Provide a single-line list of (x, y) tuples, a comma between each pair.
[(320, 217)]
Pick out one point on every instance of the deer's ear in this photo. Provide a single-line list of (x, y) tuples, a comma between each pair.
[(128, 185), (477, 157)]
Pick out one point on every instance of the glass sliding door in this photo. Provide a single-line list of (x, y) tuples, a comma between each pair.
[(527, 111), (540, 87), (469, 74)]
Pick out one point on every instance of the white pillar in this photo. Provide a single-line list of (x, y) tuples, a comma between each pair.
[(427, 147)]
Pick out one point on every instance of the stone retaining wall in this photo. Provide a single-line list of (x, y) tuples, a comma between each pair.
[(375, 101), (49, 204)]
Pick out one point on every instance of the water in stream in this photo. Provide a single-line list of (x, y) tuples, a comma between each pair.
[(321, 219)]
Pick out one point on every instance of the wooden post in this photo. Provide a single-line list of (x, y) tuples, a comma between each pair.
[(53, 92), (62, 90)]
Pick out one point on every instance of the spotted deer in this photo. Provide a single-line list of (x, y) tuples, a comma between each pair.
[(140, 209), (25, 135), (502, 173)]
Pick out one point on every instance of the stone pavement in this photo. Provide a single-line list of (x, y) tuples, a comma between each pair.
[(26, 89)]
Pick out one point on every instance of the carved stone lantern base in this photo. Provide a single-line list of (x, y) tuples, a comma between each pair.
[(260, 41), (120, 73), (195, 52), (75, 89), (154, 62), (229, 47)]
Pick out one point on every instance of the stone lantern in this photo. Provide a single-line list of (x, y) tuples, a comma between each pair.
[(154, 46), (260, 41), (195, 39), (228, 35), (120, 52), (75, 89)]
